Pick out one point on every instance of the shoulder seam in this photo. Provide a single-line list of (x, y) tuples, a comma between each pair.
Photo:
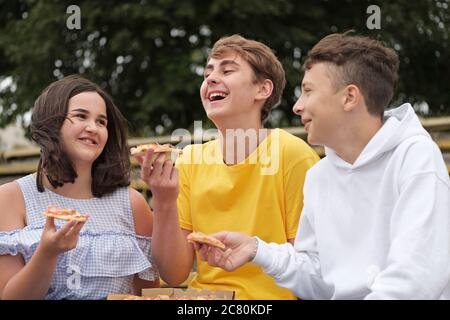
[(424, 174), (300, 162)]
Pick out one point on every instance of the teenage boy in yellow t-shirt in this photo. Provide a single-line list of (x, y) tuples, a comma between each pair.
[(248, 180)]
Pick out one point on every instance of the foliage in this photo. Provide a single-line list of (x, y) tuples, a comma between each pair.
[(149, 54)]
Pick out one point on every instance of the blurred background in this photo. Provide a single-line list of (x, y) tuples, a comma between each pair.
[(149, 54)]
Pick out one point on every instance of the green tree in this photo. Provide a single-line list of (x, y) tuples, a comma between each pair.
[(149, 55)]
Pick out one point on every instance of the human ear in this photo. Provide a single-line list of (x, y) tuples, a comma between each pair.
[(351, 97), (265, 90)]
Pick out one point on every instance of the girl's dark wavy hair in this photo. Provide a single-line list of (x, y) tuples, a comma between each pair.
[(110, 170)]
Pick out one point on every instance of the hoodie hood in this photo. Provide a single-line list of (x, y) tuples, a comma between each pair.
[(399, 125)]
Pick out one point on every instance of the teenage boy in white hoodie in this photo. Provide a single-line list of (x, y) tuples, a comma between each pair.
[(376, 217)]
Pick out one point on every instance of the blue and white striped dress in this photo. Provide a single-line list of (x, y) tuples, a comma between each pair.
[(108, 253)]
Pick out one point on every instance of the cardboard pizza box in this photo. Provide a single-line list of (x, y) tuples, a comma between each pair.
[(177, 293), (115, 296)]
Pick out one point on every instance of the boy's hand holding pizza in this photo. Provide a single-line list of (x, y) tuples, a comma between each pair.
[(236, 249), (158, 171)]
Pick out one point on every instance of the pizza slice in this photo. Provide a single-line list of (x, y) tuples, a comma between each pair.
[(141, 150), (200, 237), (64, 214)]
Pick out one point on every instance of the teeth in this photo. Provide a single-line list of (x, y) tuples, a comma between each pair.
[(88, 140), (217, 94)]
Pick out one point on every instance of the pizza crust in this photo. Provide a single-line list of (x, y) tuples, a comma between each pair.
[(200, 237)]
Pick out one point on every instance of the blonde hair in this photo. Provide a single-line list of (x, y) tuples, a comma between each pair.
[(262, 60)]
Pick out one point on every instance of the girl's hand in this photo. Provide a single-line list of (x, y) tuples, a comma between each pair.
[(54, 242)]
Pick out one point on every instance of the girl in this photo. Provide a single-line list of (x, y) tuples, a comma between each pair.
[(84, 165)]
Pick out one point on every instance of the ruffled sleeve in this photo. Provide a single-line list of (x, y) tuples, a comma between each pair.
[(8, 243), (150, 273), (22, 241), (98, 253)]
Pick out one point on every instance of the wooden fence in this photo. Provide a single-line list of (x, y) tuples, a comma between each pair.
[(20, 162)]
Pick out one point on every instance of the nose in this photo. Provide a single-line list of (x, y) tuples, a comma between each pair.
[(299, 106), (212, 78), (91, 126)]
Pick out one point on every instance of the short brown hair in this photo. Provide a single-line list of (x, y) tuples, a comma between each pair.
[(110, 170), (262, 60), (361, 61)]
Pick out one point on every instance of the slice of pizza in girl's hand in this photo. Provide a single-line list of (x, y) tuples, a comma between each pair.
[(170, 152), (202, 238), (64, 214)]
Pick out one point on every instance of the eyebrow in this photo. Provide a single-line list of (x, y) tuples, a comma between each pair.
[(307, 84), (87, 111), (222, 63)]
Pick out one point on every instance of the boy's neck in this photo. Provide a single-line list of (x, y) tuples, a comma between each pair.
[(238, 142), (232, 132), (80, 189), (246, 122), (356, 137)]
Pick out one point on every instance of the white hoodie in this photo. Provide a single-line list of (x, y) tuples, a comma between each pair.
[(377, 229)]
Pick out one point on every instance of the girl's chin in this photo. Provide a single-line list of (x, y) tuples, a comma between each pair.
[(86, 157)]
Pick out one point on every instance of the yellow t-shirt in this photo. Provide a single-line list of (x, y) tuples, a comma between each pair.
[(260, 196)]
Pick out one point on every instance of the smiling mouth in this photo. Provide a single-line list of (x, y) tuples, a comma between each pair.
[(306, 124), (88, 141), (217, 96)]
